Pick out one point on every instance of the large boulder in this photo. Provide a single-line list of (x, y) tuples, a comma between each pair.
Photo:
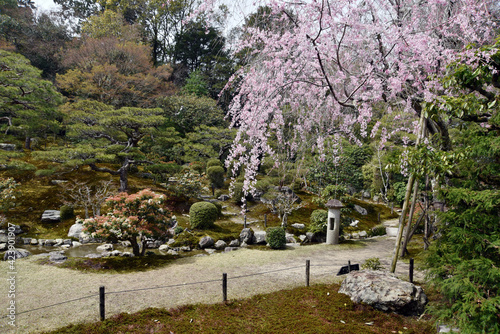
[(17, 253), (75, 230), (51, 216), (259, 238), (360, 210), (220, 244), (206, 242), (246, 236), (384, 291)]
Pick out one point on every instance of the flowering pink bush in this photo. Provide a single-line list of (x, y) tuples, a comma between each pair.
[(131, 217)]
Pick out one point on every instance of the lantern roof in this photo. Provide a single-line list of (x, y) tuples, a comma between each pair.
[(334, 204)]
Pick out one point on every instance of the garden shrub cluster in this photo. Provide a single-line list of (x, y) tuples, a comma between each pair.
[(276, 237), (202, 215), (215, 175), (318, 221), (66, 212)]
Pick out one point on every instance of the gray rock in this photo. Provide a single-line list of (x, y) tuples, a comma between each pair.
[(376, 198), (127, 254), (230, 249), (172, 252), (384, 291), (302, 237), (360, 210), (185, 248), (170, 241), (93, 256), (206, 242), (67, 242), (163, 248), (26, 241), (246, 236), (4, 238), (105, 248), (41, 242), (243, 244), (3, 246), (259, 238), (59, 242), (18, 253), (66, 246), (290, 238), (51, 216), (209, 250), (234, 243), (58, 182), (75, 230), (363, 234), (220, 244), (223, 198), (126, 243), (57, 257), (299, 226), (447, 329), (366, 194), (116, 253), (49, 242), (76, 244), (34, 242), (311, 236), (7, 147), (17, 229)]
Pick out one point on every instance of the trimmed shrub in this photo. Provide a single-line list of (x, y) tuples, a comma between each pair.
[(216, 176), (197, 166), (372, 263), (213, 162), (218, 205), (202, 215), (44, 172), (237, 192), (263, 185), (379, 230), (178, 230), (276, 237), (66, 212), (318, 220)]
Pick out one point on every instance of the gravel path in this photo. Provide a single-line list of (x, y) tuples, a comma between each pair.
[(38, 286)]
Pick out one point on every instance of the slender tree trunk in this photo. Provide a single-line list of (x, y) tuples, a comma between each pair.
[(409, 188), (135, 246), (124, 176), (410, 219), (144, 246)]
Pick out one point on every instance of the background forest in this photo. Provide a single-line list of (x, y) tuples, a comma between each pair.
[(331, 100)]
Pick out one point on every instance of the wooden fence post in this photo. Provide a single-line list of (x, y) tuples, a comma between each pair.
[(224, 287), (102, 302), (308, 270), (411, 270)]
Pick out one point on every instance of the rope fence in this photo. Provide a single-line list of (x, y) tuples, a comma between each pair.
[(102, 293)]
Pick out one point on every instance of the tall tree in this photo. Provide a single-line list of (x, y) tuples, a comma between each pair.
[(28, 104), (103, 134)]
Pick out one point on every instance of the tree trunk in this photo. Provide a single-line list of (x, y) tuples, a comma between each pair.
[(135, 246), (409, 188), (124, 176), (410, 219), (144, 246)]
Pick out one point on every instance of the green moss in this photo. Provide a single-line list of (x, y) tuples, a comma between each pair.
[(316, 309)]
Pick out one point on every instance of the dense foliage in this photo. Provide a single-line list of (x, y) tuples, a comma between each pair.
[(276, 237), (131, 217), (202, 215)]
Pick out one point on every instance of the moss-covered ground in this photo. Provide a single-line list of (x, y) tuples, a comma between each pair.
[(315, 309)]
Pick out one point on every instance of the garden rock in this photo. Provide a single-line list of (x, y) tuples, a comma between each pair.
[(259, 238), (223, 198), (384, 291), (126, 254), (299, 226), (105, 248), (66, 246), (116, 253), (57, 257), (93, 256), (49, 242), (206, 242), (290, 238), (59, 242), (246, 235), (185, 248), (51, 216), (363, 234), (234, 243), (34, 242), (230, 249), (26, 241), (303, 238), (3, 247), (3, 238), (209, 250), (75, 230), (163, 248), (7, 147), (360, 210), (172, 252), (18, 253), (220, 244), (76, 244), (126, 243)]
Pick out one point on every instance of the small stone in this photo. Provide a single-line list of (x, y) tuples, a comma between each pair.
[(163, 248), (116, 253), (3, 247), (172, 252), (209, 250), (302, 237), (26, 241), (246, 235), (51, 216), (206, 242), (360, 210), (49, 242), (230, 249), (126, 243), (34, 242), (363, 234), (126, 254), (220, 244), (67, 242), (57, 257), (299, 226), (65, 246), (93, 256), (76, 244), (185, 249), (105, 248), (234, 243)]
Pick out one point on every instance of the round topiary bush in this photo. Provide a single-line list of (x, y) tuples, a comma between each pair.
[(213, 162), (216, 176), (178, 230), (237, 192), (66, 212), (318, 220), (202, 215), (276, 238)]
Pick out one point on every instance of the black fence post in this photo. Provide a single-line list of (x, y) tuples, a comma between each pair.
[(411, 270), (308, 271), (102, 302), (349, 266), (224, 287)]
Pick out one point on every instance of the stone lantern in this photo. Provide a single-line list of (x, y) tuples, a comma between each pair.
[(333, 226)]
